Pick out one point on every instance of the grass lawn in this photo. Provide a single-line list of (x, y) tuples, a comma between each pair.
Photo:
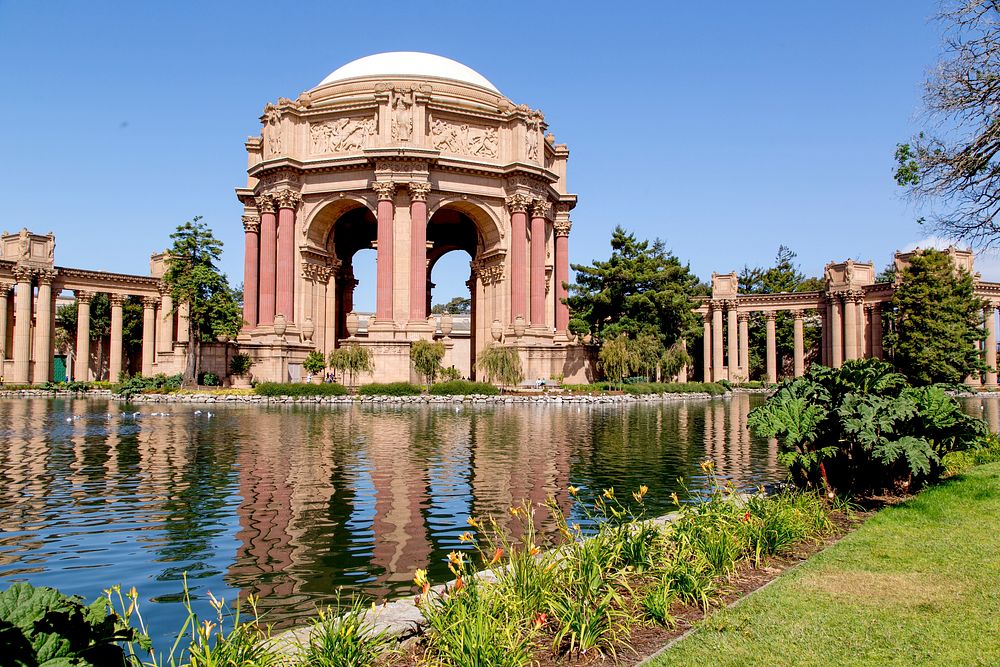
[(918, 584)]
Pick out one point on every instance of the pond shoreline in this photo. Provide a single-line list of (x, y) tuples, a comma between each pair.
[(239, 399)]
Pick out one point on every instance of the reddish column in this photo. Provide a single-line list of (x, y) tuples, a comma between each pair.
[(518, 205), (251, 250), (285, 279), (384, 261), (539, 210), (418, 250), (562, 228), (268, 259)]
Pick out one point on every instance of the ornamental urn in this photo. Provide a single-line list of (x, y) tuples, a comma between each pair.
[(308, 329), (496, 330), (519, 326), (352, 324), (280, 325), (447, 324)]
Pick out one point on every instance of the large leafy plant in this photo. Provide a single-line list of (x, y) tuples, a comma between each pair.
[(862, 428), (41, 627)]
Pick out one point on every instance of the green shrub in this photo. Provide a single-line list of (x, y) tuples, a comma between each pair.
[(41, 626), (240, 364), (315, 362), (712, 388), (463, 388), (299, 389), (987, 450), (861, 428), (449, 373), (389, 389), (209, 379), (139, 384)]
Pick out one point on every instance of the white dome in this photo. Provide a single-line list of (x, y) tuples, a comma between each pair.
[(409, 63)]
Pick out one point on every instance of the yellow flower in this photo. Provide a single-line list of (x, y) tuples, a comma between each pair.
[(707, 465), (420, 577), (673, 497), (638, 495), (515, 511), (472, 522), (455, 558), (609, 493), (465, 537), (573, 490)]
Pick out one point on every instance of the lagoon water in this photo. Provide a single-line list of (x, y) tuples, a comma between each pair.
[(294, 503)]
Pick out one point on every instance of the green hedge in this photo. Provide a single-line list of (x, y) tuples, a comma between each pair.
[(463, 388), (712, 388), (299, 389), (389, 389)]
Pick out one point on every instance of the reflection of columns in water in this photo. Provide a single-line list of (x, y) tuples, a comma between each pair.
[(733, 445), (682, 425), (719, 431), (400, 481), (772, 454), (992, 413)]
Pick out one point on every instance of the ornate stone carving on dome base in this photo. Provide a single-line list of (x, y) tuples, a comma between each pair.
[(342, 135), (462, 138)]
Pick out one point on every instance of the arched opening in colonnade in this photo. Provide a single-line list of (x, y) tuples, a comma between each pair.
[(452, 232), (351, 241)]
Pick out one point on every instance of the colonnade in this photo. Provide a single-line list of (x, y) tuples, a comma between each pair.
[(731, 361), (269, 257), (34, 325)]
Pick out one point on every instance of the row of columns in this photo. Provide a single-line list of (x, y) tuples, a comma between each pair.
[(34, 321), (732, 360), (269, 257), (852, 329)]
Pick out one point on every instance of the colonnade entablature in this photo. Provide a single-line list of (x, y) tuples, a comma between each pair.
[(413, 166), (31, 284), (848, 311)]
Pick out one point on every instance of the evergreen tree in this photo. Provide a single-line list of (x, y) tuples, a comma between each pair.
[(935, 321), (641, 289), (194, 278)]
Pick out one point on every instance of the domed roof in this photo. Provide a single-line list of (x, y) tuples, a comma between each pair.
[(408, 63)]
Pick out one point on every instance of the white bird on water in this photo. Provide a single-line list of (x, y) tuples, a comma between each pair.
[(197, 412), (210, 415)]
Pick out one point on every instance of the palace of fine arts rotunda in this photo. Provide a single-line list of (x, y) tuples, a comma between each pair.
[(416, 156)]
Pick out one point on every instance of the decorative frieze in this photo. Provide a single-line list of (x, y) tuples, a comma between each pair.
[(465, 139), (343, 135)]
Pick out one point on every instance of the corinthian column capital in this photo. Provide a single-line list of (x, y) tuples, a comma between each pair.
[(419, 191), (150, 301), (83, 296), (118, 299), (251, 224), (518, 203), (384, 190), (562, 227), (287, 198), (265, 203), (540, 208)]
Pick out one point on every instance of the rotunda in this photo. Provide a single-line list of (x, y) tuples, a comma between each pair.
[(414, 155)]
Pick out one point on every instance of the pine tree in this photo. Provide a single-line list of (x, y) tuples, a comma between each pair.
[(194, 279), (936, 321)]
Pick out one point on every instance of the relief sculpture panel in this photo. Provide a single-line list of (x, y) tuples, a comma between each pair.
[(465, 139), (342, 135)]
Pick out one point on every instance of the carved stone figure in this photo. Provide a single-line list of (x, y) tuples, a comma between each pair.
[(342, 135), (402, 116)]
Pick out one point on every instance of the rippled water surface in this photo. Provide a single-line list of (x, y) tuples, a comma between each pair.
[(293, 502)]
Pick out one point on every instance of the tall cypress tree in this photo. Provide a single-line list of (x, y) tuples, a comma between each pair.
[(936, 321)]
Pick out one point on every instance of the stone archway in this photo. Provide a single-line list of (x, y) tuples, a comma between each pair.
[(353, 231), (452, 230)]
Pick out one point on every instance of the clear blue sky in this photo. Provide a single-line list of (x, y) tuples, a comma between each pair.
[(724, 128)]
